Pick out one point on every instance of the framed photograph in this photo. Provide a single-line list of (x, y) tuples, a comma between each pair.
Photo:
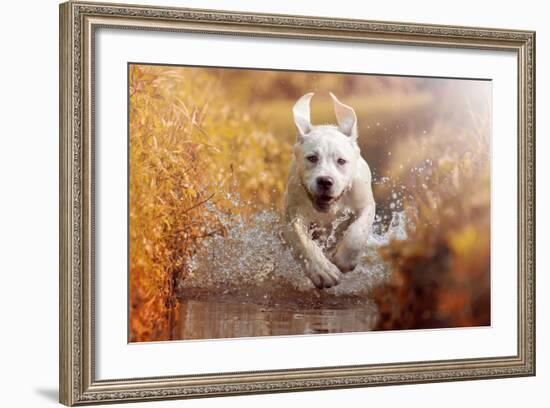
[(256, 203)]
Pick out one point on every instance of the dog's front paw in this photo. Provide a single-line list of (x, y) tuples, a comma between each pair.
[(345, 261), (323, 274)]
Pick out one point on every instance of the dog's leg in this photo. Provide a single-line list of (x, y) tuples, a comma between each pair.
[(353, 245), (322, 272)]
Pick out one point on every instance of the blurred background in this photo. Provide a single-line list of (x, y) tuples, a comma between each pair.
[(199, 136)]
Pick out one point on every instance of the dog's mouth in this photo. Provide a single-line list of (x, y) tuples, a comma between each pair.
[(322, 202)]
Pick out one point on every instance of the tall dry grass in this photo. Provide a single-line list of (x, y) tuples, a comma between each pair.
[(188, 146)]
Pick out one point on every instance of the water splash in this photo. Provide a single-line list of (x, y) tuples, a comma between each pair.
[(250, 261)]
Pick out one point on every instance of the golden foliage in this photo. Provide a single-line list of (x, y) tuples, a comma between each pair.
[(188, 146), (442, 271)]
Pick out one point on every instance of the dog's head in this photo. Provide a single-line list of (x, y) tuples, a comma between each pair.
[(326, 155)]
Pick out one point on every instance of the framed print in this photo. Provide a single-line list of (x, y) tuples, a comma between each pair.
[(258, 203)]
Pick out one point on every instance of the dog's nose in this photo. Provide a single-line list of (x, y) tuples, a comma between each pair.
[(325, 182)]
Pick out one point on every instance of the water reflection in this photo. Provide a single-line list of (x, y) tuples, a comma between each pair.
[(224, 319)]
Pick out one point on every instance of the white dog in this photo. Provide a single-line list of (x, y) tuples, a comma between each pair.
[(329, 206)]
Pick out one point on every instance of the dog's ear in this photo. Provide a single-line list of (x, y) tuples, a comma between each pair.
[(302, 115), (345, 115)]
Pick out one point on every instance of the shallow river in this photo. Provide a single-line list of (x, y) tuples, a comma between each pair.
[(225, 319)]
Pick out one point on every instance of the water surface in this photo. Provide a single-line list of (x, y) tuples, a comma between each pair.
[(213, 319)]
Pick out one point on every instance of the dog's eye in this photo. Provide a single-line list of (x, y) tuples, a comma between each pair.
[(313, 158), (341, 161)]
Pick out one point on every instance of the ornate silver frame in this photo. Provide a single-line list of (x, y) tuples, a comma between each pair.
[(78, 21)]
